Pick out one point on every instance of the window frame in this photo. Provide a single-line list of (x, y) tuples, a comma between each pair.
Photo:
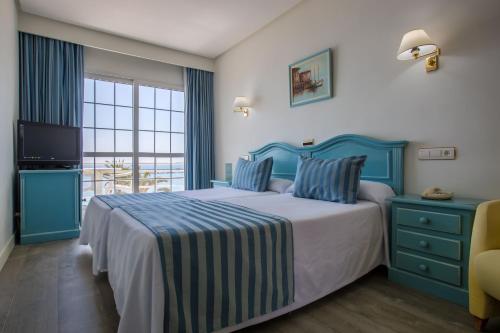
[(135, 154)]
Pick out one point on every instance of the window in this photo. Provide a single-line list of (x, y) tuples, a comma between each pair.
[(131, 144)]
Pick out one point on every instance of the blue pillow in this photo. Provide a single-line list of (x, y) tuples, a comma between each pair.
[(334, 180), (252, 175)]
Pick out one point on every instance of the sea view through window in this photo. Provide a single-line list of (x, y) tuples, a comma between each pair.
[(133, 138)]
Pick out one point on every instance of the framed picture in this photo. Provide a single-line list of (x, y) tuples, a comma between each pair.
[(311, 79)]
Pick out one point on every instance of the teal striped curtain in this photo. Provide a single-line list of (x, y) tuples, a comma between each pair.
[(199, 155), (51, 79)]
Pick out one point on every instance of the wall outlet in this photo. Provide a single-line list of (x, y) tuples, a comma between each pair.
[(438, 153)]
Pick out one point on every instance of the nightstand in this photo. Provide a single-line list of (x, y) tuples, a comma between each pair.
[(430, 242), (220, 183)]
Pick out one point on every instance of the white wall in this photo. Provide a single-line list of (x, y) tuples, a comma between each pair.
[(375, 94), (71, 33), (8, 115), (128, 67)]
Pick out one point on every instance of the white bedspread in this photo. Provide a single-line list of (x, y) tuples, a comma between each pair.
[(334, 244), (96, 220)]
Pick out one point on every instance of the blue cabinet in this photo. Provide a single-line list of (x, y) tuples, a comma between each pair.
[(430, 243), (50, 205)]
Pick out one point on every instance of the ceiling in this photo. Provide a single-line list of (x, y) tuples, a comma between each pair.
[(203, 27)]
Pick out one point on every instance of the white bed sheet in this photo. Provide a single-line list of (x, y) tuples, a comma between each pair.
[(96, 220), (334, 244)]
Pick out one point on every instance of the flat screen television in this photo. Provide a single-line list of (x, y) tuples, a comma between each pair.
[(48, 145)]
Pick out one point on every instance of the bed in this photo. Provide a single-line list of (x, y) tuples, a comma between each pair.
[(95, 223), (333, 244)]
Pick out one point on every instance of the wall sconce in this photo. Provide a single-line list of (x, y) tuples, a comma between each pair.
[(241, 104), (417, 44)]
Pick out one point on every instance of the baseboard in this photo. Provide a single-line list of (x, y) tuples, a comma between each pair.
[(6, 251)]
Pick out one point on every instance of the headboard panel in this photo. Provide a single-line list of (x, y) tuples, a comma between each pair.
[(384, 163)]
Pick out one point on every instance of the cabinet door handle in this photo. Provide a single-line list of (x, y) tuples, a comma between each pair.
[(423, 267), (424, 220), (423, 244)]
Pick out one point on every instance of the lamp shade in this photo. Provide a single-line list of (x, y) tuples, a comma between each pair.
[(241, 102), (414, 44)]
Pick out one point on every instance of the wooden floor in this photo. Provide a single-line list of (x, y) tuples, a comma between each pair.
[(50, 288)]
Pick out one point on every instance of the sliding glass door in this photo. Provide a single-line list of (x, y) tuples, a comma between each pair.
[(133, 137)]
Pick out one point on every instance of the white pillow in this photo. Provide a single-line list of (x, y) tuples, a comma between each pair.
[(279, 185), (374, 191), (290, 188)]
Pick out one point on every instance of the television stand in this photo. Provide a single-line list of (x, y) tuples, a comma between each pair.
[(50, 204)]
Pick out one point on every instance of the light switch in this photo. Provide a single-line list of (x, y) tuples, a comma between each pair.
[(424, 154), (439, 153)]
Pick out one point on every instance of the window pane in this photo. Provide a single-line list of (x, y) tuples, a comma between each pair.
[(123, 168), (88, 90), (114, 119), (104, 187), (177, 100), (146, 97), (177, 143), (88, 115), (163, 99), (146, 119), (177, 184), (146, 142), (88, 169), (124, 118), (178, 122), (88, 140), (146, 185), (124, 141), (163, 120), (163, 167), (162, 142), (123, 186), (123, 94), (163, 185), (105, 141), (104, 92), (104, 168), (88, 192), (178, 167), (146, 167), (104, 115)]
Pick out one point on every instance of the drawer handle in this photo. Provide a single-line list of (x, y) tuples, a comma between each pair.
[(424, 220), (423, 268), (423, 244)]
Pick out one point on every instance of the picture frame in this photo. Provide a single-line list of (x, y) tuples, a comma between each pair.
[(310, 79)]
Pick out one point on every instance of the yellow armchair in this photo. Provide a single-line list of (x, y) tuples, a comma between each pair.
[(484, 264)]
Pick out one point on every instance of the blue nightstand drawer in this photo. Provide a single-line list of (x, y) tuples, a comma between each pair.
[(430, 268), (444, 247), (429, 220)]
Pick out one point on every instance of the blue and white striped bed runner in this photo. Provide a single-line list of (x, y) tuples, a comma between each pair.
[(118, 200), (222, 264)]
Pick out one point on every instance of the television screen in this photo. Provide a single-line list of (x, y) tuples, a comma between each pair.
[(48, 144)]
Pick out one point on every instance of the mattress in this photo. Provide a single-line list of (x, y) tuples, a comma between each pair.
[(95, 223), (334, 244)]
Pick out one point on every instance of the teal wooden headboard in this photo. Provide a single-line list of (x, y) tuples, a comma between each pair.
[(385, 161)]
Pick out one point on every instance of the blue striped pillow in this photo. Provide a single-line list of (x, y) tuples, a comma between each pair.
[(252, 175), (330, 180)]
